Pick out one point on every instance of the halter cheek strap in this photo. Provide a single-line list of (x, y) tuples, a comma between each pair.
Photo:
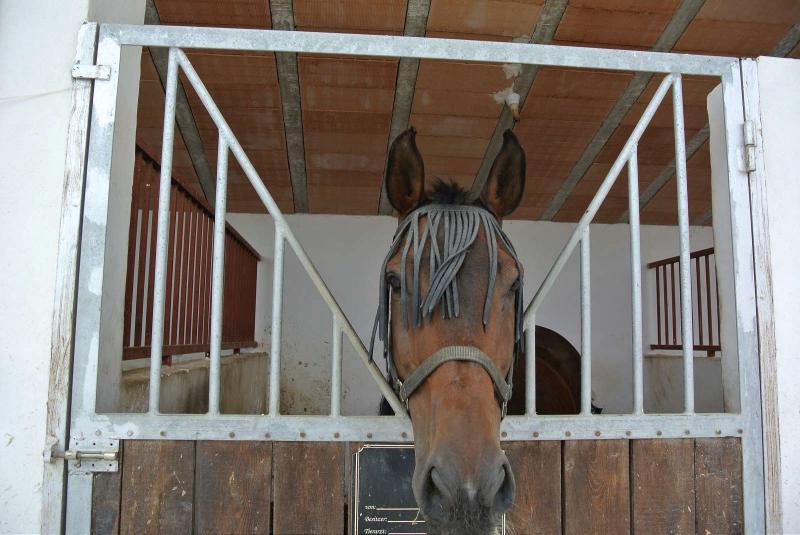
[(502, 385)]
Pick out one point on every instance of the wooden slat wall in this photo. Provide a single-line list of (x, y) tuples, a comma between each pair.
[(593, 486)]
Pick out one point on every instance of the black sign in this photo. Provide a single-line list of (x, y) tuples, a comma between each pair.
[(383, 503)]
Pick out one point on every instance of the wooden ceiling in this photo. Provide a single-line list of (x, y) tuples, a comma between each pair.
[(573, 123)]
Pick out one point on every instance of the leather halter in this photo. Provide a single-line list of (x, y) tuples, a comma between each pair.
[(502, 386), (459, 225)]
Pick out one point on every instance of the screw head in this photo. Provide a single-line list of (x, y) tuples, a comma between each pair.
[(687, 432), (98, 433), (659, 433), (740, 431), (627, 433), (369, 435), (231, 434), (302, 434), (568, 433), (336, 435), (404, 434), (535, 434), (267, 435), (504, 434), (163, 433), (597, 433), (129, 433), (718, 431)]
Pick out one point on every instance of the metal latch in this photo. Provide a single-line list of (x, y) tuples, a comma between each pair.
[(749, 146), (86, 455), (91, 72)]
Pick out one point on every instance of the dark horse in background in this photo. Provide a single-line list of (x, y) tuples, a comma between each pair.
[(462, 479)]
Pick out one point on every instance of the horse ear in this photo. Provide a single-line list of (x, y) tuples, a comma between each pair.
[(506, 182), (405, 173)]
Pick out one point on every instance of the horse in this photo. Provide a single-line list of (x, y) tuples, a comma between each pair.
[(450, 318)]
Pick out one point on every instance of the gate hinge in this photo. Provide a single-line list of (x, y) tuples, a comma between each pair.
[(91, 72), (89, 455), (749, 146)]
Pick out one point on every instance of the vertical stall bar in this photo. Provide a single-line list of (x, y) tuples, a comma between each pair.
[(586, 324), (277, 313), (674, 306), (699, 303), (708, 303), (530, 368), (683, 229), (658, 303), (336, 369), (162, 238), (636, 281), (217, 281)]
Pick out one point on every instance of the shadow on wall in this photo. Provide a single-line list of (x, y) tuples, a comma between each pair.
[(184, 386), (663, 384)]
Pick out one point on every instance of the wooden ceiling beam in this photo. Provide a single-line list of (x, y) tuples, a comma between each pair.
[(416, 22), (184, 117), (282, 13), (543, 32), (787, 43), (680, 20)]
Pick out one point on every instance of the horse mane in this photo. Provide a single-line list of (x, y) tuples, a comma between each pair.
[(449, 192)]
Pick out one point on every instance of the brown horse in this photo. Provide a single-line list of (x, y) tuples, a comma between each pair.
[(457, 318)]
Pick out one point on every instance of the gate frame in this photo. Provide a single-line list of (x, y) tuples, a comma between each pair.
[(86, 424)]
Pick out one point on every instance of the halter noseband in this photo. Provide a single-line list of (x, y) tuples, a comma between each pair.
[(458, 226)]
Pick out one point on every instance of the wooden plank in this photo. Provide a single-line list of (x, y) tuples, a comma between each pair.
[(106, 493), (718, 486), (157, 486), (537, 473), (309, 487), (662, 474), (234, 483), (596, 487)]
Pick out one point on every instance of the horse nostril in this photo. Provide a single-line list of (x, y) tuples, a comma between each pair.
[(506, 488), (435, 495)]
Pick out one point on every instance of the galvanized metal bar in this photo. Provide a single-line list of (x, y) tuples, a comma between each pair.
[(744, 276), (277, 323), (530, 368), (598, 199), (390, 429), (418, 47), (336, 368), (586, 323), (162, 240), (687, 333), (217, 278), (636, 283), (282, 226)]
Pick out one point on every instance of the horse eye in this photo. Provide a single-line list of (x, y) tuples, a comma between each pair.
[(515, 286), (393, 280)]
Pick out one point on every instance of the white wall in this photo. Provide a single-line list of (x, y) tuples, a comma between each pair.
[(779, 84), (348, 251), (37, 48)]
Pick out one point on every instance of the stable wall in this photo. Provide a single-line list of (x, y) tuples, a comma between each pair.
[(349, 250), (779, 80)]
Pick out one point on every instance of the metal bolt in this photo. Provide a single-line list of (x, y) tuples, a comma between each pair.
[(687, 432), (739, 431), (718, 431), (504, 434), (302, 434), (336, 435), (568, 433), (597, 433), (130, 433), (98, 433), (231, 434), (535, 434), (627, 433), (369, 435), (658, 433), (404, 434), (163, 433), (267, 435)]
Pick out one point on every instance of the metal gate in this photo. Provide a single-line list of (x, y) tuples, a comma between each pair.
[(94, 437)]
